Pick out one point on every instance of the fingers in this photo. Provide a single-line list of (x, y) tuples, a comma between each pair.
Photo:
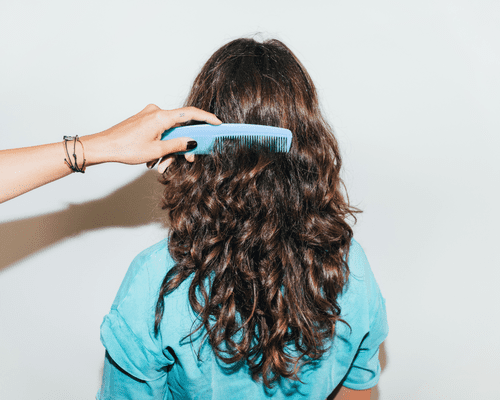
[(166, 119), (150, 108), (151, 164), (174, 145), (168, 148), (168, 160), (186, 114), (165, 163)]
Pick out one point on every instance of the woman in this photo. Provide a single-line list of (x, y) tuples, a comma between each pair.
[(260, 290)]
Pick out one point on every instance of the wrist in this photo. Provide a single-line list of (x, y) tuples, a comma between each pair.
[(94, 153), (74, 152)]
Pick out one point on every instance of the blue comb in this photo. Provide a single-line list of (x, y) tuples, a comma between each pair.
[(210, 137)]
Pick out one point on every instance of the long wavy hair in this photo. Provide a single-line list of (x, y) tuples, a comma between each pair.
[(263, 235)]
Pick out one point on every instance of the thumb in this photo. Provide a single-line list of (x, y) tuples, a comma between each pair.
[(178, 144)]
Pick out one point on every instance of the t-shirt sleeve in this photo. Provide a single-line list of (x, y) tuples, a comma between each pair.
[(364, 372), (135, 365), (119, 384)]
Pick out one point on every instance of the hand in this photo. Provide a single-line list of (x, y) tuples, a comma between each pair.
[(137, 139)]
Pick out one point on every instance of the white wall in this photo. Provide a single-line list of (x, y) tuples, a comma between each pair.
[(412, 89)]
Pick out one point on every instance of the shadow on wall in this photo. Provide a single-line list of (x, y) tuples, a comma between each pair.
[(135, 204)]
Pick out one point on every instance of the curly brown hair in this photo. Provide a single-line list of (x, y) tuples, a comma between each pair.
[(264, 236)]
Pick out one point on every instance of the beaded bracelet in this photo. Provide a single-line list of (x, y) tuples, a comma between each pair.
[(75, 167)]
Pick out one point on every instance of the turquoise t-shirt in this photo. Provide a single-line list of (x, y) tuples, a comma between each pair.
[(139, 365)]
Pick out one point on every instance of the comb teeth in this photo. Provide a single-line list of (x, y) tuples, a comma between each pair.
[(273, 144)]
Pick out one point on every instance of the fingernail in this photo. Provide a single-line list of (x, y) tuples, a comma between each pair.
[(191, 145)]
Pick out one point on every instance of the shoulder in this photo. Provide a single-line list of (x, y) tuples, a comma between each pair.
[(360, 268), (127, 330), (146, 271), (357, 261), (152, 254), (362, 290), (363, 279)]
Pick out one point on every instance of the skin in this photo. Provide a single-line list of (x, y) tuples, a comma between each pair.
[(133, 141), (349, 394)]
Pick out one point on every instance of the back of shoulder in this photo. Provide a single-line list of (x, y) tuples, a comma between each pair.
[(358, 263), (152, 255), (360, 269), (147, 270)]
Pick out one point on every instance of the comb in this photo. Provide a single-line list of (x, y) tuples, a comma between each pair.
[(211, 137)]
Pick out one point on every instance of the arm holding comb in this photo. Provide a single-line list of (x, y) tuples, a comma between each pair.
[(133, 141)]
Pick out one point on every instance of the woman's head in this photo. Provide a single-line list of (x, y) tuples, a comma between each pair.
[(261, 83), (262, 236)]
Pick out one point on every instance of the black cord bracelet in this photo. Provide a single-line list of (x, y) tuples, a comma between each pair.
[(75, 167)]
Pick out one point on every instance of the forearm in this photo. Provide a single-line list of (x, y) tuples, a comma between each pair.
[(25, 169)]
